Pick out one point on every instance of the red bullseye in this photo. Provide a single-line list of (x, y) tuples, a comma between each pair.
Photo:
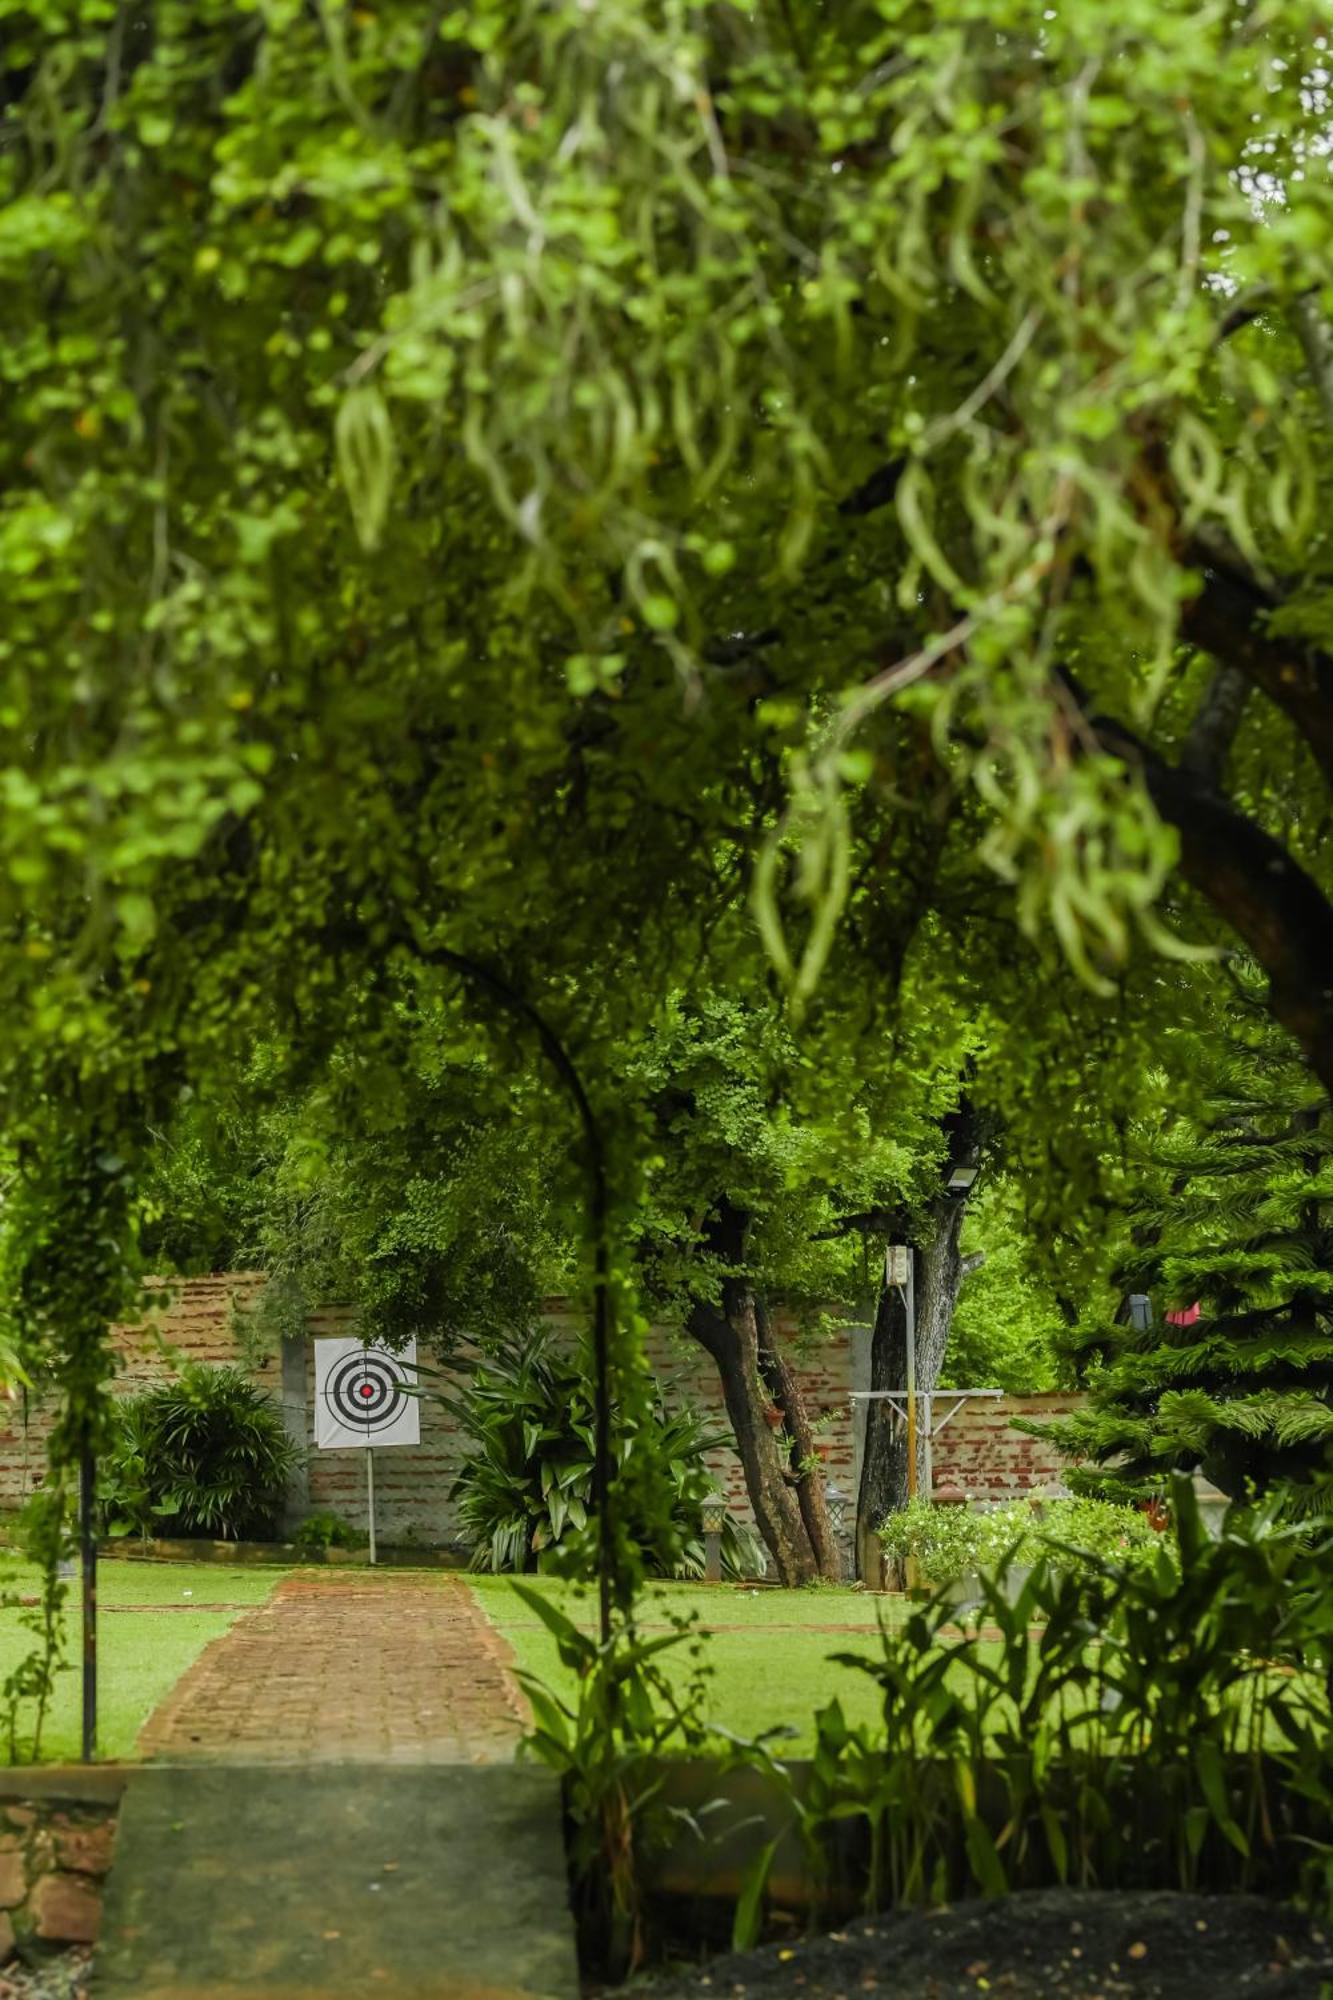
[(365, 1391)]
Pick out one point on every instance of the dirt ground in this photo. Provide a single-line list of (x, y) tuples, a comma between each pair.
[(1051, 1944)]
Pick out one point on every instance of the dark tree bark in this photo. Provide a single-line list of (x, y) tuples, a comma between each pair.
[(784, 1386), (935, 1238), (939, 1279), (731, 1336), (884, 1458), (1212, 733), (1228, 619), (1278, 910)]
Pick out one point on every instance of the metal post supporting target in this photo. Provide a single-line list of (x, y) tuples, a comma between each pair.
[(365, 1398)]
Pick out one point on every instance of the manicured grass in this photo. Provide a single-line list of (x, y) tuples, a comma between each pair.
[(140, 1658), (768, 1649)]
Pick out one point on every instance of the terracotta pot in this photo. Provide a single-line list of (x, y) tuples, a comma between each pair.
[(773, 1416)]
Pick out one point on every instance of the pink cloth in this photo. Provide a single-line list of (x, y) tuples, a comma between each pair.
[(1186, 1318)]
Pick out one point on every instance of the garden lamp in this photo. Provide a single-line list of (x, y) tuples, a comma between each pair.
[(715, 1520)]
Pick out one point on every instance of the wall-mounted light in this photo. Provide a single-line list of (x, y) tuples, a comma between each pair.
[(961, 1179)]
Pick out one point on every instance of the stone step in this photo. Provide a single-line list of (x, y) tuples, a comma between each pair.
[(327, 1881)]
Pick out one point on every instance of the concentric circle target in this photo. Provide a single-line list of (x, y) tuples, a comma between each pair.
[(365, 1391)]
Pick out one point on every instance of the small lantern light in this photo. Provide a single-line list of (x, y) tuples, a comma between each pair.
[(836, 1501), (715, 1520)]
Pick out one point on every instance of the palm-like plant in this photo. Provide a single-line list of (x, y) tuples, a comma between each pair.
[(208, 1452), (524, 1490)]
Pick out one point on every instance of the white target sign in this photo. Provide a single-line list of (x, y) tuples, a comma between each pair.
[(363, 1395)]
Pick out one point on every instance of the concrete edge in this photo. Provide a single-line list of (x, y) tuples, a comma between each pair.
[(66, 1784)]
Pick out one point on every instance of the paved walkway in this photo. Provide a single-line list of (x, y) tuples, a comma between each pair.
[(347, 1667), (332, 1810)]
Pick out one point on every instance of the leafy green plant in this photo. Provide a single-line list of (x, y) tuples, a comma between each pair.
[(125, 1486), (1144, 1725), (524, 1490), (326, 1530), (1064, 1532), (606, 1746), (43, 1535), (944, 1542), (948, 1543), (1232, 1230), (209, 1453)]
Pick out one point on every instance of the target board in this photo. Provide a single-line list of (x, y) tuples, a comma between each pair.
[(363, 1395)]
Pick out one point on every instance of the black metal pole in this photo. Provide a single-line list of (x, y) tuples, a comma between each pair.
[(89, 1545)]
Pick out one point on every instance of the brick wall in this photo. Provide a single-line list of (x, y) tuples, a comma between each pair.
[(197, 1326), (976, 1450)]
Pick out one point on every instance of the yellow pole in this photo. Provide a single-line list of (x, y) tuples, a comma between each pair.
[(909, 1306)]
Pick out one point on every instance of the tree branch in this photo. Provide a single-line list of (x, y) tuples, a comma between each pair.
[(1213, 731), (1225, 619), (1252, 882), (1314, 330)]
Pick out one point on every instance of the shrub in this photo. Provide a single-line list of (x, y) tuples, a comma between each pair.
[(952, 1542), (1063, 1532), (326, 1530), (945, 1542), (207, 1454), (524, 1491)]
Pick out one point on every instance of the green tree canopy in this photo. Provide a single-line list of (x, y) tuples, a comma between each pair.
[(1230, 1246)]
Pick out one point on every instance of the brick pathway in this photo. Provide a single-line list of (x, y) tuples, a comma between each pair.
[(364, 1668)]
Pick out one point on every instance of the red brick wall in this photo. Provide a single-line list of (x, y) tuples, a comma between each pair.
[(977, 1450), (197, 1326)]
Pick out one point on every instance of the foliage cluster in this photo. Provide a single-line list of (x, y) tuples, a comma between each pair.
[(44, 1535), (1160, 1725), (326, 1530), (207, 1455), (948, 1542), (605, 1746), (524, 1487), (456, 464), (1230, 1239)]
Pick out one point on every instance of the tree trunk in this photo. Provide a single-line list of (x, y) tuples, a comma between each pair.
[(935, 1239), (731, 1337), (884, 1459), (785, 1389)]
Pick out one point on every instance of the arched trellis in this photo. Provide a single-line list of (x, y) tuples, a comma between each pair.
[(493, 983), (75, 1435)]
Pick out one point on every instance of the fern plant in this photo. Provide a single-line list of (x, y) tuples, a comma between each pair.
[(208, 1453), (1233, 1374)]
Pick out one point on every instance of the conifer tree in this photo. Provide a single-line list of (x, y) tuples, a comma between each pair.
[(1233, 1245)]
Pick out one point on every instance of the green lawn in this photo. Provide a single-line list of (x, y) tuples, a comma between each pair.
[(140, 1658), (767, 1651)]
